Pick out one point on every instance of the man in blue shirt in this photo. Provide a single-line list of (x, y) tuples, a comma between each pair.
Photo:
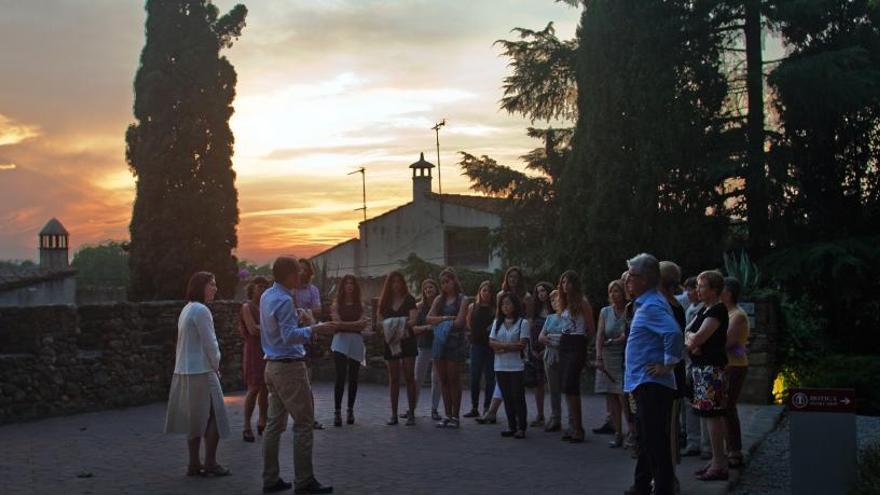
[(653, 348), (283, 331)]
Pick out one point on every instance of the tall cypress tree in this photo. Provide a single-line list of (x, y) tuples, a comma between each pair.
[(641, 175), (185, 212)]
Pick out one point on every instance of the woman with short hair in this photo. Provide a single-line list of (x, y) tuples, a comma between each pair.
[(706, 339), (195, 401), (550, 335), (253, 366), (447, 315), (577, 315), (397, 302), (347, 346), (610, 340), (737, 365)]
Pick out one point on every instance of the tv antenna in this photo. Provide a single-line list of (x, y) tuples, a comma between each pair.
[(436, 129)]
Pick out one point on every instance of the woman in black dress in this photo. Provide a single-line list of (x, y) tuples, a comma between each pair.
[(396, 301)]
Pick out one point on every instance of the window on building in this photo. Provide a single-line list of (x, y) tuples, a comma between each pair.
[(467, 247)]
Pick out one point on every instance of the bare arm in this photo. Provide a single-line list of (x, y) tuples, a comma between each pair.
[(708, 327), (600, 339), (459, 319), (346, 326), (418, 329), (249, 323), (433, 317), (588, 318), (736, 331)]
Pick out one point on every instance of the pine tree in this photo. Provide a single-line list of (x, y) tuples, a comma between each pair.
[(185, 212)]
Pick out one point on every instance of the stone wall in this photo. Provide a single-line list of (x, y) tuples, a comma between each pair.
[(66, 359), (763, 346)]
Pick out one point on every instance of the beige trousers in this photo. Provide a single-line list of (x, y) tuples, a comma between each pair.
[(290, 393)]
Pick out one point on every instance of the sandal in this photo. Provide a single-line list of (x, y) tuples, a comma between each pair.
[(714, 475), (216, 471), (702, 470), (248, 436), (194, 470)]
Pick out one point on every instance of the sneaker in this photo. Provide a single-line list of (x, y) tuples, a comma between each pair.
[(392, 421), (443, 423), (453, 423), (435, 416), (519, 435), (472, 414)]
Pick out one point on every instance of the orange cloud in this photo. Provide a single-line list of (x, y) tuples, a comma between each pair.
[(14, 133)]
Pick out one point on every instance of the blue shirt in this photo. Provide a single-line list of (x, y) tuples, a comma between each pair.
[(654, 338), (280, 333)]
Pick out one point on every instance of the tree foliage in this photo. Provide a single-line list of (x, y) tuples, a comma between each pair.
[(179, 150), (644, 173), (104, 264)]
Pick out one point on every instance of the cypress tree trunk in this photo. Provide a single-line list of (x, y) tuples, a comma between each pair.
[(180, 150)]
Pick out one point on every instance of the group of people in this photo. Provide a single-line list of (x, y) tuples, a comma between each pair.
[(653, 347)]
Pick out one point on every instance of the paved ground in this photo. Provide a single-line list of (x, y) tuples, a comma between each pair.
[(123, 451)]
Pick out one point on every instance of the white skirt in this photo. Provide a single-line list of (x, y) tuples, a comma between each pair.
[(190, 401)]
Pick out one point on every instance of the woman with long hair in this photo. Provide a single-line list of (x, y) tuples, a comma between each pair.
[(253, 366), (397, 302), (348, 348), (480, 315), (195, 401), (447, 314), (577, 315), (541, 309), (610, 339), (509, 338), (425, 339)]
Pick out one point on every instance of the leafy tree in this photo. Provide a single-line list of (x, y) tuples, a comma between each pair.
[(527, 233), (185, 212), (104, 264)]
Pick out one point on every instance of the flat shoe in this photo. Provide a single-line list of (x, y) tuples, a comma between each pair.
[(279, 486), (714, 475), (519, 435), (215, 471), (702, 470)]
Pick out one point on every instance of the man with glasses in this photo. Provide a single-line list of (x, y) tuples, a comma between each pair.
[(653, 348)]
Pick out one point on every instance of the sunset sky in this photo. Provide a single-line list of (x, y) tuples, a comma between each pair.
[(324, 86)]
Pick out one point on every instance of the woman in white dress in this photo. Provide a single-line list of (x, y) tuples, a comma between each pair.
[(195, 401)]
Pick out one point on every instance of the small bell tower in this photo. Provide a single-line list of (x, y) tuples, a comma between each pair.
[(421, 178), (54, 246)]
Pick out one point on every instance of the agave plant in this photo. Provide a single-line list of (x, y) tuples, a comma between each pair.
[(742, 269)]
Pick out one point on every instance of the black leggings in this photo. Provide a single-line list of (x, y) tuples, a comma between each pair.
[(345, 366), (513, 392)]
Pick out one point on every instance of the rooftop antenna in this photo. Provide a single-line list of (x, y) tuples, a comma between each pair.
[(436, 129), (363, 173)]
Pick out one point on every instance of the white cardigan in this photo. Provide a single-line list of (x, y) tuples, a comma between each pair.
[(197, 348)]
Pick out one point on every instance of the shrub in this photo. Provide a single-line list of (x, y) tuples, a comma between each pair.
[(869, 472)]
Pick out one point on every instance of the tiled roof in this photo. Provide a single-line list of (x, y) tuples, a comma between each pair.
[(54, 227), (483, 203), (16, 277)]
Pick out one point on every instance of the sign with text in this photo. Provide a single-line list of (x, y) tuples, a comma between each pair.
[(823, 440), (821, 400)]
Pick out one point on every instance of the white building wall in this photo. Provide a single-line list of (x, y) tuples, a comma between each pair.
[(340, 260)]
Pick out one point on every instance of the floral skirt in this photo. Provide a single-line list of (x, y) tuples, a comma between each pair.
[(710, 390)]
